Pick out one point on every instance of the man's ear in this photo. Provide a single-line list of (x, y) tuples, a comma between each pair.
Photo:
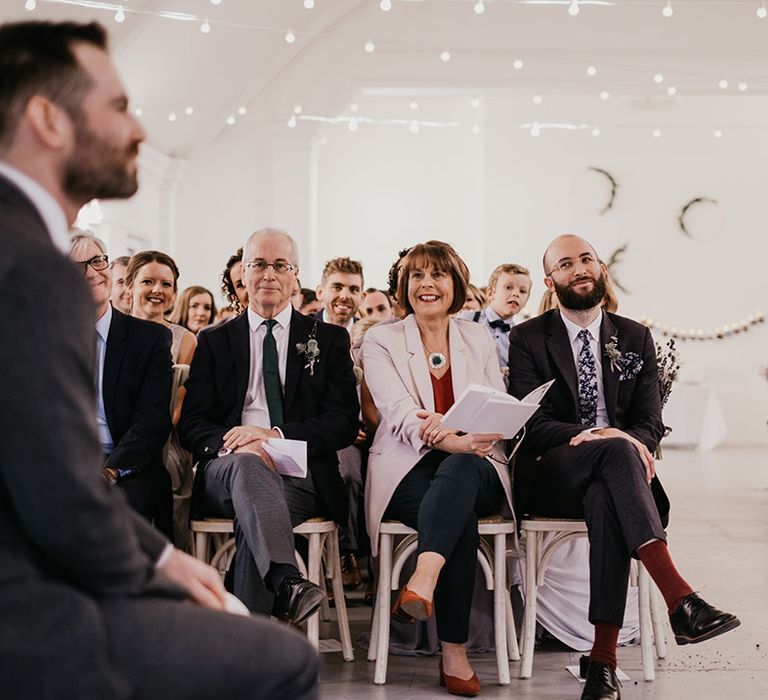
[(549, 284), (319, 292), (49, 123)]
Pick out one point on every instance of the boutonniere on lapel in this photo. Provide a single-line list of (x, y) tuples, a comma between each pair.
[(627, 364), (310, 351)]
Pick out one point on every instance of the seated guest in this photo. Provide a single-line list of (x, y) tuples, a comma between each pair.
[(94, 602), (588, 451), (377, 305), (194, 309), (252, 379), (508, 290), (433, 479), (392, 278), (121, 295), (133, 392), (310, 304), (153, 278), (475, 300), (341, 292), (297, 298), (232, 285)]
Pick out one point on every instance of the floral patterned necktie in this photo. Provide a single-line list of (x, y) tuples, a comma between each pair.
[(587, 371)]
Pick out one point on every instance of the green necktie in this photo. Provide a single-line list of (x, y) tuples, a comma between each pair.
[(271, 373)]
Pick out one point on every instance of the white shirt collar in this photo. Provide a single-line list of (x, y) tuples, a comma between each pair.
[(574, 330), (349, 325), (102, 325), (491, 315), (283, 318), (49, 209)]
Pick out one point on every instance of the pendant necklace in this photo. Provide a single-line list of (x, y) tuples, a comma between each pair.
[(435, 360)]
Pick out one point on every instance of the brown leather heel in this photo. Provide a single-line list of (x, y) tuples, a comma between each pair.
[(410, 606), (458, 686)]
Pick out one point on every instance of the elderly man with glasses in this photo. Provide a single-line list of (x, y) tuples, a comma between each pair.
[(270, 373), (133, 391)]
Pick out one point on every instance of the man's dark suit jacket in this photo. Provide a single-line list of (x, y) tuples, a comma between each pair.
[(66, 538), (138, 377), (540, 350), (320, 408)]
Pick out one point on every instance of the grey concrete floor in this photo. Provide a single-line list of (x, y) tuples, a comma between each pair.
[(718, 537)]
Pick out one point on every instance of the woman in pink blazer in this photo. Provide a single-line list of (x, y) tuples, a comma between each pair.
[(435, 480)]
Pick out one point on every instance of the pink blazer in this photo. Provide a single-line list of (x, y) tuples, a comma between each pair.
[(396, 373)]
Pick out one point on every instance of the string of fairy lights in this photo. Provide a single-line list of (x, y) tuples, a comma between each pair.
[(727, 330), (208, 22)]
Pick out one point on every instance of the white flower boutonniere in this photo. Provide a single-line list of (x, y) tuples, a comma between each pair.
[(310, 350), (627, 364)]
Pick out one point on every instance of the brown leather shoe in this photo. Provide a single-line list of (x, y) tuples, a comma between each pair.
[(410, 606), (351, 577), (458, 686)]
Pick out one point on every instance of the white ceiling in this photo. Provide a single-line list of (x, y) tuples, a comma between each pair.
[(169, 64)]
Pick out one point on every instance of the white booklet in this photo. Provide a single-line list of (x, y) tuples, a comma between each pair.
[(481, 409), (289, 456)]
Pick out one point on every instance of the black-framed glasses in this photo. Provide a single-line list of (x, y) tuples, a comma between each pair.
[(261, 266), (97, 262)]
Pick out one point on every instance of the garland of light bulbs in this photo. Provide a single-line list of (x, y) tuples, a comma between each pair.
[(719, 333)]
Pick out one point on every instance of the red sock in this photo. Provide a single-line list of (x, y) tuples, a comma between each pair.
[(656, 559), (604, 648)]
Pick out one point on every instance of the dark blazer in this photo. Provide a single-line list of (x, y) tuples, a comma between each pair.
[(138, 377), (66, 538), (320, 408), (540, 350)]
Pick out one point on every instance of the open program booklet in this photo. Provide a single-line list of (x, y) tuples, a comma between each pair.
[(481, 409)]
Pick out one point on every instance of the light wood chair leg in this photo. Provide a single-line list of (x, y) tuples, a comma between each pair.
[(500, 606), (382, 604), (529, 616), (659, 618), (313, 574), (201, 546), (332, 544), (646, 629), (513, 649)]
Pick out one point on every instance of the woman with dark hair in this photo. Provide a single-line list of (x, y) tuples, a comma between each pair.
[(194, 309), (436, 480), (232, 285), (153, 278)]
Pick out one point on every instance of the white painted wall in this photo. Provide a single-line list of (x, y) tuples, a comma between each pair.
[(503, 195)]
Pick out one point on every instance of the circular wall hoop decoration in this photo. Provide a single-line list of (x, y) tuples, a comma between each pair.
[(595, 189), (701, 218)]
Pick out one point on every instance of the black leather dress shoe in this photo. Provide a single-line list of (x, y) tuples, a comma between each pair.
[(695, 621), (297, 599), (602, 683)]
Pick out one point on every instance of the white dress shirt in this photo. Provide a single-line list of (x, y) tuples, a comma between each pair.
[(49, 209), (594, 346), (255, 409), (349, 325), (102, 333)]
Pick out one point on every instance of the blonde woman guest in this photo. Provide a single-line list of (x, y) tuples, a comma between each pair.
[(475, 300), (153, 278), (433, 479), (194, 309)]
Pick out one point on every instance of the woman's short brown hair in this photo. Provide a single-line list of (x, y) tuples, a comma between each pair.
[(138, 260), (438, 255)]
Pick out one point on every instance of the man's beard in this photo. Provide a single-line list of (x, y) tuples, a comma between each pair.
[(98, 169), (570, 299)]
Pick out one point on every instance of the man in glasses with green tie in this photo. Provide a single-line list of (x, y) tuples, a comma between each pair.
[(270, 373)]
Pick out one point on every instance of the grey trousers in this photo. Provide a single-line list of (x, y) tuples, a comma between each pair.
[(350, 468), (266, 507), (602, 481)]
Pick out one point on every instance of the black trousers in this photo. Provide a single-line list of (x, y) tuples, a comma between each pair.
[(149, 493), (442, 497), (602, 481)]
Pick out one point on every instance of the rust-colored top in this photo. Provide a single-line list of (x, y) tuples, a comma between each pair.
[(442, 390)]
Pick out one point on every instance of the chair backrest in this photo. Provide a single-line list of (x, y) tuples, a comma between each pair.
[(180, 375)]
